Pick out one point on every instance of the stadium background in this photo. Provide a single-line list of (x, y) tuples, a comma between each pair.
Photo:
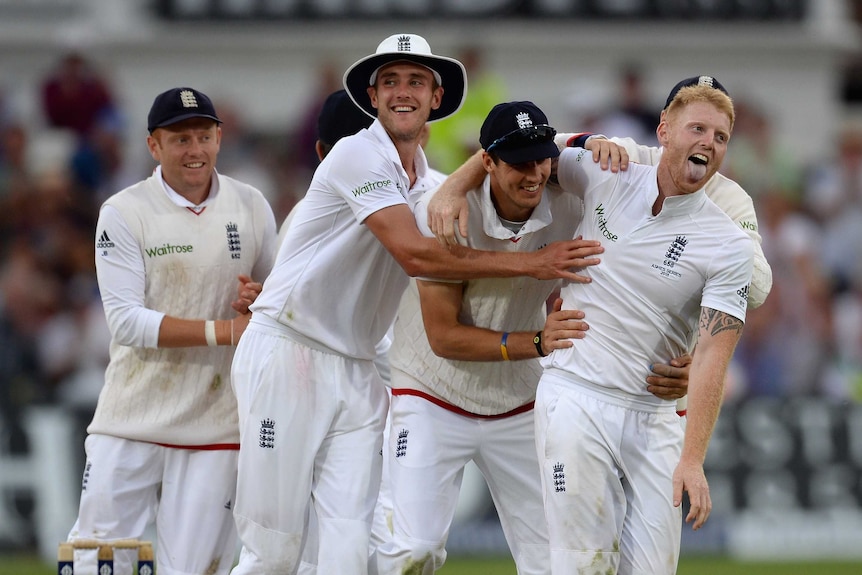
[(785, 464)]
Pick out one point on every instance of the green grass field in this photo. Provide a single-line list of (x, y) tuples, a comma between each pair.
[(28, 565)]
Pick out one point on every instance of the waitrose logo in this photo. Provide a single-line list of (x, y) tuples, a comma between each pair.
[(169, 249), (368, 186)]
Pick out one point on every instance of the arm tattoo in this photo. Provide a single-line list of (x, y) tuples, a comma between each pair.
[(715, 321)]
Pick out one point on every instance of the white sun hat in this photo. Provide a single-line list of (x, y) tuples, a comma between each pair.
[(448, 72)]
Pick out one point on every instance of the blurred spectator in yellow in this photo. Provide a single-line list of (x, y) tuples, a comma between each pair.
[(455, 138)]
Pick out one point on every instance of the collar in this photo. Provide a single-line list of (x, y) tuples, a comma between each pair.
[(181, 201), (682, 204), (419, 160)]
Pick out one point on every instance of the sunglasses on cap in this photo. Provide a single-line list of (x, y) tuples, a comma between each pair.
[(521, 136)]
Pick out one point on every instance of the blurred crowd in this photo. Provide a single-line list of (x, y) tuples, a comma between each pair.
[(806, 339)]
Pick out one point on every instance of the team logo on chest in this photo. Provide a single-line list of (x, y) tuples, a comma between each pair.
[(233, 244), (671, 257)]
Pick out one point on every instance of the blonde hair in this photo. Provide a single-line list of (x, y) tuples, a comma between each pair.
[(708, 94)]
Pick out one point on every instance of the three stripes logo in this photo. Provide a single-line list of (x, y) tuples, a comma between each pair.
[(104, 243)]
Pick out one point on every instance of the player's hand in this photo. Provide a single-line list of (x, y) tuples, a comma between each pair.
[(670, 381), (562, 326), (562, 260), (608, 154), (445, 208), (247, 292), (689, 477)]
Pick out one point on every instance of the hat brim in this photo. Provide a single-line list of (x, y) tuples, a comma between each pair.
[(181, 118), (536, 152), (452, 74)]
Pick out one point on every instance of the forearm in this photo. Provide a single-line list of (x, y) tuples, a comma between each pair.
[(706, 388), (468, 176), (177, 332), (468, 343), (432, 260)]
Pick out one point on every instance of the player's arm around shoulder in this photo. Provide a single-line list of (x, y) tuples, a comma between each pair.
[(639, 153), (575, 171), (738, 205), (396, 228)]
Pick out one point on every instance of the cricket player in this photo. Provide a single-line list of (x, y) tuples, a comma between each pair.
[(163, 443), (614, 465)]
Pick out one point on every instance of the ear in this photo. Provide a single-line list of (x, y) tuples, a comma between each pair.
[(153, 147), (437, 98), (488, 162), (661, 132), (372, 95), (319, 148)]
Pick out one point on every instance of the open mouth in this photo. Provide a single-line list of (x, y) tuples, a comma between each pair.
[(697, 166)]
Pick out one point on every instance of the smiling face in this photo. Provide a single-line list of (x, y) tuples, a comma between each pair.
[(404, 94), (187, 152), (516, 188), (695, 135)]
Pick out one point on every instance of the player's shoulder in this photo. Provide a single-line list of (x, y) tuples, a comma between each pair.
[(720, 188), (357, 154), (135, 193), (722, 224), (230, 185)]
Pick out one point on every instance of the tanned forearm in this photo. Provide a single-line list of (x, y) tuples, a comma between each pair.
[(718, 335)]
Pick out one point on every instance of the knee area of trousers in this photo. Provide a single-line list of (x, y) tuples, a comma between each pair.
[(272, 551), (423, 554)]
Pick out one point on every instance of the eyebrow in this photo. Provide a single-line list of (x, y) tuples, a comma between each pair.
[(412, 74)]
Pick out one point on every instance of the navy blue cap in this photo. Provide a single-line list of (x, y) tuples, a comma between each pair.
[(518, 132), (179, 104), (340, 117), (694, 81)]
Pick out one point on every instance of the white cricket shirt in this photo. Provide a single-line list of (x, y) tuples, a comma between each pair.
[(156, 254), (334, 284), (656, 273), (727, 195), (500, 304)]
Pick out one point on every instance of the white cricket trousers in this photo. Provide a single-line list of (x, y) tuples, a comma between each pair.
[(311, 428), (428, 448), (188, 493), (607, 473)]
